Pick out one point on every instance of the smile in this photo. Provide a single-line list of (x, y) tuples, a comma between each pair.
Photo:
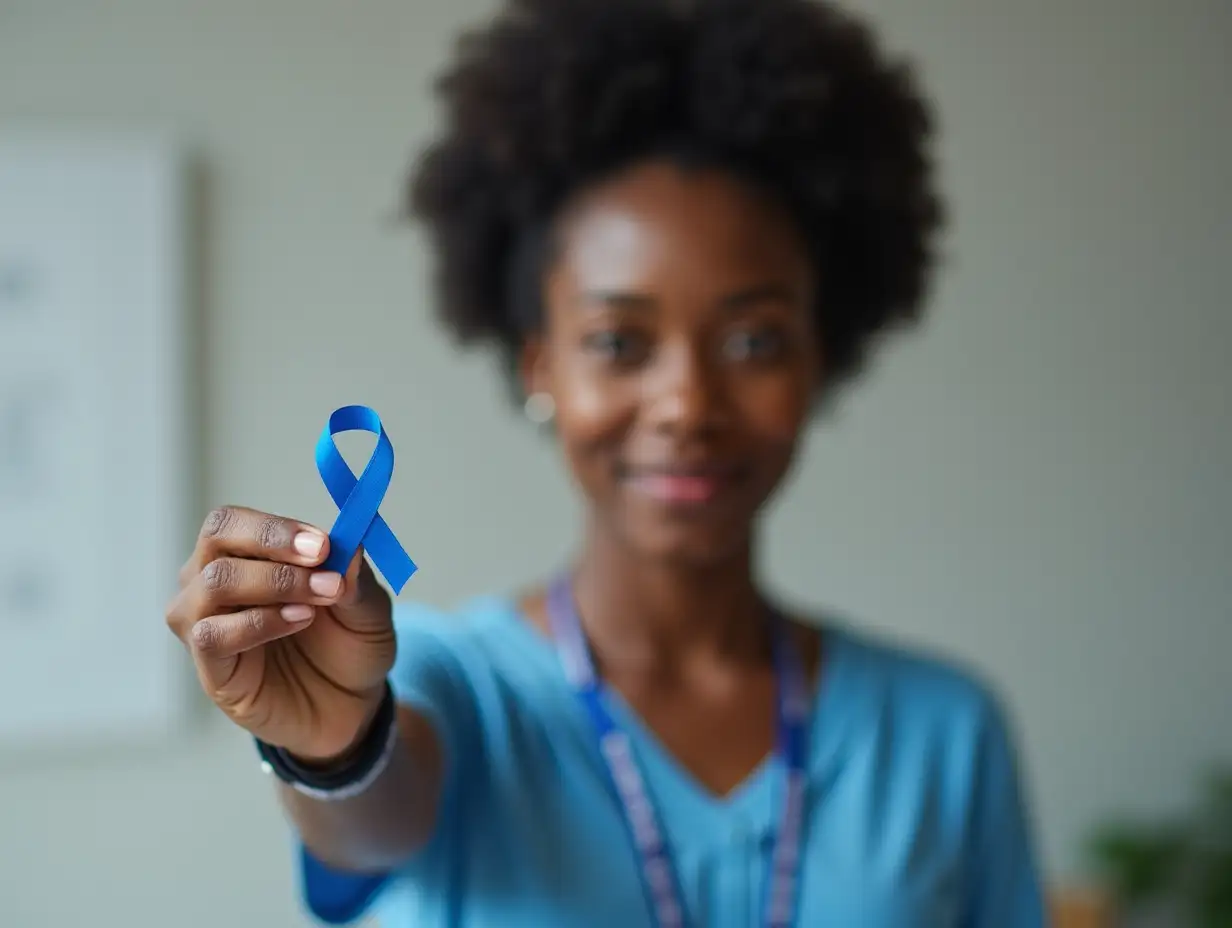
[(681, 486)]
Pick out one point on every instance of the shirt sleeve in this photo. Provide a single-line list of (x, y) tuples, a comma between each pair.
[(428, 676), (1004, 889)]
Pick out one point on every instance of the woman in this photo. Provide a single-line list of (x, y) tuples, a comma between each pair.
[(683, 225)]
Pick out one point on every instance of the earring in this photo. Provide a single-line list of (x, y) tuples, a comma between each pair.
[(540, 408)]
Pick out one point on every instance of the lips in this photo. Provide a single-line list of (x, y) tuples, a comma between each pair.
[(682, 485)]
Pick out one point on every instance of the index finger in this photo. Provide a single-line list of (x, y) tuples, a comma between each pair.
[(235, 531)]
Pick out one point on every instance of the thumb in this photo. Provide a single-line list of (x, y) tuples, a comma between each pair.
[(360, 590)]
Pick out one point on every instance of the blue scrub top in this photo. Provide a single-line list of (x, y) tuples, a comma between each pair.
[(915, 815)]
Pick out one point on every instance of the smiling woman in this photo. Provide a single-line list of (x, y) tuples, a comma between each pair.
[(682, 225), (679, 347)]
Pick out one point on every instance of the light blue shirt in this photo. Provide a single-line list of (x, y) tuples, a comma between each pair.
[(914, 814)]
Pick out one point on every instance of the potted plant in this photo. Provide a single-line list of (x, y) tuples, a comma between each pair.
[(1173, 873)]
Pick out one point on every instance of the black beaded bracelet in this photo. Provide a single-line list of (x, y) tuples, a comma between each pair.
[(362, 765)]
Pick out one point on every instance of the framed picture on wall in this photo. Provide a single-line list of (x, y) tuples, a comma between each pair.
[(94, 434)]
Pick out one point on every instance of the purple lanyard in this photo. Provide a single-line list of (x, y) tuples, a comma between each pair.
[(659, 872)]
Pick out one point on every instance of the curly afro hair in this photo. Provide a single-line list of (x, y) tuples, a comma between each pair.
[(793, 95)]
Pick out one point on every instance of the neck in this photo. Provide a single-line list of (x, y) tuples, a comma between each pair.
[(650, 616)]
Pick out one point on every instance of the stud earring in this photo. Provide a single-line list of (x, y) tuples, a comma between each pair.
[(540, 408)]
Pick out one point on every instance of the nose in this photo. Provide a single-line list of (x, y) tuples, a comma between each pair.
[(687, 393)]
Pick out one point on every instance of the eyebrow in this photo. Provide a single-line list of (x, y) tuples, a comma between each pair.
[(640, 302), (618, 299), (765, 293)]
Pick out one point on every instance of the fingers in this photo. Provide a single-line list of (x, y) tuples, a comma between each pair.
[(224, 636), (218, 641), (234, 531), (246, 557), (230, 582)]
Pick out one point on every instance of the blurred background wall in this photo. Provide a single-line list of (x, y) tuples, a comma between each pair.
[(1037, 481)]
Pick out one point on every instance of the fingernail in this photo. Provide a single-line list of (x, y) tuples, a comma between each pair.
[(325, 583), (309, 544), (296, 612)]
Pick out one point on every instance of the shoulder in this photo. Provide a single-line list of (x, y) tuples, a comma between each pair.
[(923, 730), (932, 741), (481, 645), (461, 626), (475, 670), (932, 701)]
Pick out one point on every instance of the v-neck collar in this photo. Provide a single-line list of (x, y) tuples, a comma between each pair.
[(692, 811), (696, 816)]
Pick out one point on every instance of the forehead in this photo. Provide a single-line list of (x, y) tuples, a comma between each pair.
[(662, 225)]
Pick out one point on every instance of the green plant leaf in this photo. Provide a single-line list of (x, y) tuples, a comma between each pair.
[(1212, 889), (1139, 863)]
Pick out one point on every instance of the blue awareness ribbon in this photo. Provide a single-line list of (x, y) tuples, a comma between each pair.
[(359, 500)]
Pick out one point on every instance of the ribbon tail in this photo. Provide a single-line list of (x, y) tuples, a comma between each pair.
[(388, 555)]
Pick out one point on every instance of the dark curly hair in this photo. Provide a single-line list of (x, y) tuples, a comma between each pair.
[(792, 95)]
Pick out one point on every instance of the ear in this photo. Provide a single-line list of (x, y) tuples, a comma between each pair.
[(533, 366)]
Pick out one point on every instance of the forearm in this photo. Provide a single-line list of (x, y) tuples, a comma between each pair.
[(386, 824)]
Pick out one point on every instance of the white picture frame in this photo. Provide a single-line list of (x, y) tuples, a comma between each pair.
[(95, 435)]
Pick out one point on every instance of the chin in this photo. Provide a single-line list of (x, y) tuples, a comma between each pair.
[(693, 546)]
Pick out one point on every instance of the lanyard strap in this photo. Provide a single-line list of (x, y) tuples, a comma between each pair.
[(659, 873)]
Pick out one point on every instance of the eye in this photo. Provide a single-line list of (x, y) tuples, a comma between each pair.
[(625, 348), (763, 344)]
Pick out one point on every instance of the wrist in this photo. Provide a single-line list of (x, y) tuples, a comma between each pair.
[(349, 774), (345, 739)]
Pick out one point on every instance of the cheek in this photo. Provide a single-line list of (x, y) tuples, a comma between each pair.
[(775, 412), (586, 407), (593, 415)]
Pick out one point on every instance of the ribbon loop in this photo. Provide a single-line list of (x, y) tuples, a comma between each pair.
[(359, 500)]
